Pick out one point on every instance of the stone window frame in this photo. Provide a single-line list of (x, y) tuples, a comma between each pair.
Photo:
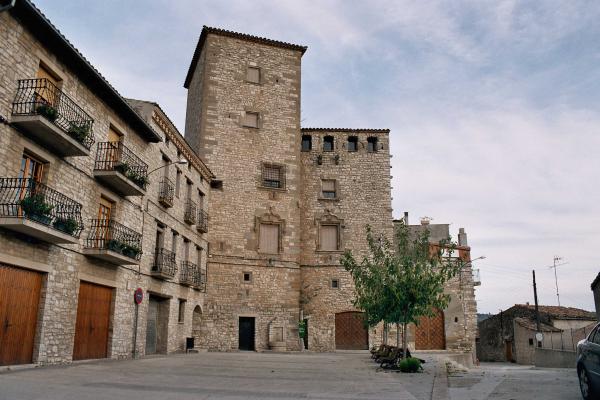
[(325, 139), (337, 190), (309, 140), (338, 283), (51, 67), (181, 311), (282, 176), (353, 139), (375, 141), (261, 75), (250, 277), (259, 118), (328, 219), (272, 219)]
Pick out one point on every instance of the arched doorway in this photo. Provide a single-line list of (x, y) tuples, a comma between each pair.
[(350, 331), (430, 333), (196, 323)]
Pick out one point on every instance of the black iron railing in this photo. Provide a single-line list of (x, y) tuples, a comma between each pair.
[(202, 222), (164, 263), (42, 97), (191, 211), (166, 192), (115, 156), (189, 274), (107, 234), (26, 198)]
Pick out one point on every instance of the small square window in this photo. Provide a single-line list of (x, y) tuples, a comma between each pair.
[(372, 144), (328, 189), (328, 143), (247, 276), (531, 341), (352, 143), (306, 143), (251, 119), (335, 283), (253, 74), (181, 316), (273, 176)]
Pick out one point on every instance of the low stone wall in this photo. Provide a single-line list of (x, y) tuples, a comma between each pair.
[(548, 358)]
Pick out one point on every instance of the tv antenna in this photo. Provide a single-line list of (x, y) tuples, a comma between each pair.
[(553, 266)]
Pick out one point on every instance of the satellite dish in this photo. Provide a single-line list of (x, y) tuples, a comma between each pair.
[(539, 336)]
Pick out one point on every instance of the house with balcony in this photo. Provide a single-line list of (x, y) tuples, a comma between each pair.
[(98, 197)]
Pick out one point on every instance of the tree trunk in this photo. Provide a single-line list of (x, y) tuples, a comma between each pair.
[(397, 334), (385, 333), (404, 344)]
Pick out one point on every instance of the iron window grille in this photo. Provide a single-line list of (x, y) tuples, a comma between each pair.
[(108, 234), (27, 198), (191, 211), (166, 192), (115, 156), (164, 263), (202, 222), (273, 176), (189, 274), (42, 97)]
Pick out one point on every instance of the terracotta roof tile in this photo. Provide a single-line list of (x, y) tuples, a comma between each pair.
[(562, 312)]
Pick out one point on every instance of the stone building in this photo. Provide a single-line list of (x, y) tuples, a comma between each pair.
[(291, 200), (87, 212), (596, 291), (511, 334)]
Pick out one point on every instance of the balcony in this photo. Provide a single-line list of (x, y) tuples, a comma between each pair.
[(189, 274), (166, 192), (476, 278), (32, 208), (202, 222), (120, 169), (165, 265), (51, 118), (189, 215), (111, 241)]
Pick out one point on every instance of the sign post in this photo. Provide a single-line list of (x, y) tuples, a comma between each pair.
[(138, 297)]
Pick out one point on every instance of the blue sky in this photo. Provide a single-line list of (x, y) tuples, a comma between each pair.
[(492, 106)]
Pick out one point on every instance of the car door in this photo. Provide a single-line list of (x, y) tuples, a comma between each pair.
[(591, 355)]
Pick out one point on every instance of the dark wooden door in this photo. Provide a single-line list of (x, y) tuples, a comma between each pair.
[(430, 333), (93, 319), (508, 345), (246, 340), (350, 331), (19, 304), (151, 325)]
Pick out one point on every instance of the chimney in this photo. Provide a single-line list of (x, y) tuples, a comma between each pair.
[(425, 220), (462, 237), (405, 217)]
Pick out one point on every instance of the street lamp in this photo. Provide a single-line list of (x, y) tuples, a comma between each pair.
[(180, 162)]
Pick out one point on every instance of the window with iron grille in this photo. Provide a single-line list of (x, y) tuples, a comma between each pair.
[(273, 176), (328, 187)]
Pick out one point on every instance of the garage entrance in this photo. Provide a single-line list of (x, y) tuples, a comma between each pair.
[(430, 333), (350, 331), (93, 321), (246, 332), (19, 304)]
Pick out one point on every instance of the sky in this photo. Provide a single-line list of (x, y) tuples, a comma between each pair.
[(493, 108)]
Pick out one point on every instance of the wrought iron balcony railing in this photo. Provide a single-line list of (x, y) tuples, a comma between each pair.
[(107, 234), (42, 97), (202, 222), (115, 156), (164, 263), (189, 274), (166, 192), (191, 211), (26, 198)]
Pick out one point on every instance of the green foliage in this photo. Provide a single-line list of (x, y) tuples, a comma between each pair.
[(122, 167), (410, 364), (67, 225), (123, 248), (47, 111), (36, 205), (402, 282), (79, 132)]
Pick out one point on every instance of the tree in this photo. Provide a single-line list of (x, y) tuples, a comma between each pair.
[(400, 282)]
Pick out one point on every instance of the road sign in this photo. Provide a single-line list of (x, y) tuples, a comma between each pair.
[(138, 296)]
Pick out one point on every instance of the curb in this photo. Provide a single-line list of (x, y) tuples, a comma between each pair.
[(439, 390)]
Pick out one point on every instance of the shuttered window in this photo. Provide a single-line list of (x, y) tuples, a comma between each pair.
[(253, 74), (328, 186), (251, 119), (269, 238), (329, 237)]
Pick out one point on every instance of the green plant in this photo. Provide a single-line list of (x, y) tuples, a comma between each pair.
[(68, 225), (36, 205), (79, 132), (410, 364), (131, 251), (140, 180), (122, 167), (47, 111), (116, 245)]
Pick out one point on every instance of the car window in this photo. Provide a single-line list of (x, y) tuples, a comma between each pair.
[(595, 337)]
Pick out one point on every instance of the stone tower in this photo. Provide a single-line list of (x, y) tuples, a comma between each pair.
[(243, 118)]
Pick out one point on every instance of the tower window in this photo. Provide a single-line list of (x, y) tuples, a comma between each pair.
[(335, 283), (352, 143), (372, 144), (250, 119), (328, 188), (269, 238), (273, 176), (328, 143), (306, 143), (253, 74), (247, 276), (329, 238)]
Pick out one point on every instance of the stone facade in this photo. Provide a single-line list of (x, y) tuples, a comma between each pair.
[(24, 46)]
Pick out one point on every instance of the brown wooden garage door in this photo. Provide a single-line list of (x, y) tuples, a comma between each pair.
[(350, 331), (430, 334), (19, 304), (93, 318)]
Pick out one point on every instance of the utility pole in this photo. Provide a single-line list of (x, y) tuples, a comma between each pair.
[(556, 258), (537, 314)]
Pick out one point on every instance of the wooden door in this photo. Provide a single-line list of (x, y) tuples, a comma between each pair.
[(48, 94), (430, 333), (151, 326), (93, 319), (350, 331), (509, 356), (246, 333), (19, 304)]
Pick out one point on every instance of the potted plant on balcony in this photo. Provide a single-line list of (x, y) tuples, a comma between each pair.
[(131, 251), (36, 208), (115, 245), (47, 111), (67, 225), (140, 180), (122, 167), (79, 132)]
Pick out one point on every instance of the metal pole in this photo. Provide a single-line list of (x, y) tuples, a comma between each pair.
[(135, 324), (556, 258), (537, 314)]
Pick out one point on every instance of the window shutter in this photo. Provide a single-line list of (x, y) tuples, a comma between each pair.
[(329, 237), (269, 238), (328, 185), (253, 74), (251, 119)]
